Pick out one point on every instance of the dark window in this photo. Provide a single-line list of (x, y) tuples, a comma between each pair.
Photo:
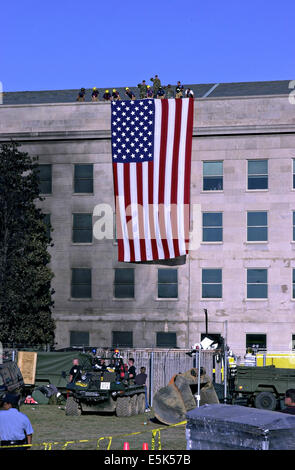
[(81, 283), (82, 228), (47, 222), (212, 176), (293, 342), (166, 340), (45, 179), (256, 341), (256, 226), (167, 284), (83, 179), (122, 339), (212, 226), (79, 338), (257, 283), (211, 283), (124, 283), (293, 283), (257, 174), (216, 337)]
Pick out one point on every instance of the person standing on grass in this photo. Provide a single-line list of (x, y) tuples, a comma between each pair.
[(140, 379)]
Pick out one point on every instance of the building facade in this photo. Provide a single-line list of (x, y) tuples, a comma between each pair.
[(243, 190)]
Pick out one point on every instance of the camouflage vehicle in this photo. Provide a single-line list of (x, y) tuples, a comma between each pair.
[(261, 387), (104, 389), (11, 379)]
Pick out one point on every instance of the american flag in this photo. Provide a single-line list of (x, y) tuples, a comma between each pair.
[(151, 154)]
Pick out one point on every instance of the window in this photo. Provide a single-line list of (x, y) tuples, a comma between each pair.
[(122, 339), (82, 228), (215, 337), (212, 226), (257, 174), (257, 283), (81, 283), (79, 338), (293, 343), (124, 283), (256, 341), (47, 222), (212, 176), (293, 283), (257, 226), (166, 340), (45, 179), (167, 284), (211, 283), (83, 179)]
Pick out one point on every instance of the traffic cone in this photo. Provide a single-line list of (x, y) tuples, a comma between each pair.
[(145, 446), (126, 446)]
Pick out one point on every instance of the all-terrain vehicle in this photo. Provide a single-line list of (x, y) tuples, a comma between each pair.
[(11, 379), (104, 388)]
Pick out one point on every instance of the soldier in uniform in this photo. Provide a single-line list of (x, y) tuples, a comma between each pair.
[(142, 89), (161, 93), (169, 92), (157, 84)]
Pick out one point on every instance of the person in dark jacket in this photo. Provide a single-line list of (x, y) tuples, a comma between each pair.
[(140, 379), (289, 402)]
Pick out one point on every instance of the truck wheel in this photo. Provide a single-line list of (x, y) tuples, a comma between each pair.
[(141, 403), (134, 405), (72, 407), (265, 401), (123, 407)]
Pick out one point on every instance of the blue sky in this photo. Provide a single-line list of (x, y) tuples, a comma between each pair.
[(69, 44)]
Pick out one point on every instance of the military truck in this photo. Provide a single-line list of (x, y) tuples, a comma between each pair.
[(104, 388), (11, 379), (260, 387)]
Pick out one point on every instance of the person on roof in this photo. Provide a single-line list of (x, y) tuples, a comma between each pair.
[(94, 94), (115, 95), (178, 90), (189, 93), (149, 92), (107, 96), (157, 84), (169, 92), (142, 89), (81, 95), (129, 93)]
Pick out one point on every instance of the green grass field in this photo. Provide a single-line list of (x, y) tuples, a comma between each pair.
[(54, 430)]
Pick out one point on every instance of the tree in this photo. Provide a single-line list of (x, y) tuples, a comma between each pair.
[(25, 277)]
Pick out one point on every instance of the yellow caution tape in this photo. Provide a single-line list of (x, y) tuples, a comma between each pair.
[(155, 433)]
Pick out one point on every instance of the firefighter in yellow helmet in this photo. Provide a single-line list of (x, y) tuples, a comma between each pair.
[(115, 95), (94, 94), (129, 93), (107, 96)]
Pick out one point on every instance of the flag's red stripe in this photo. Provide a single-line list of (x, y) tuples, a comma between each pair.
[(126, 167), (140, 212), (150, 208), (118, 216), (188, 154), (174, 175), (162, 176)]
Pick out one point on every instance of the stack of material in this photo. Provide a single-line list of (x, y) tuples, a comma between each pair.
[(231, 427)]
